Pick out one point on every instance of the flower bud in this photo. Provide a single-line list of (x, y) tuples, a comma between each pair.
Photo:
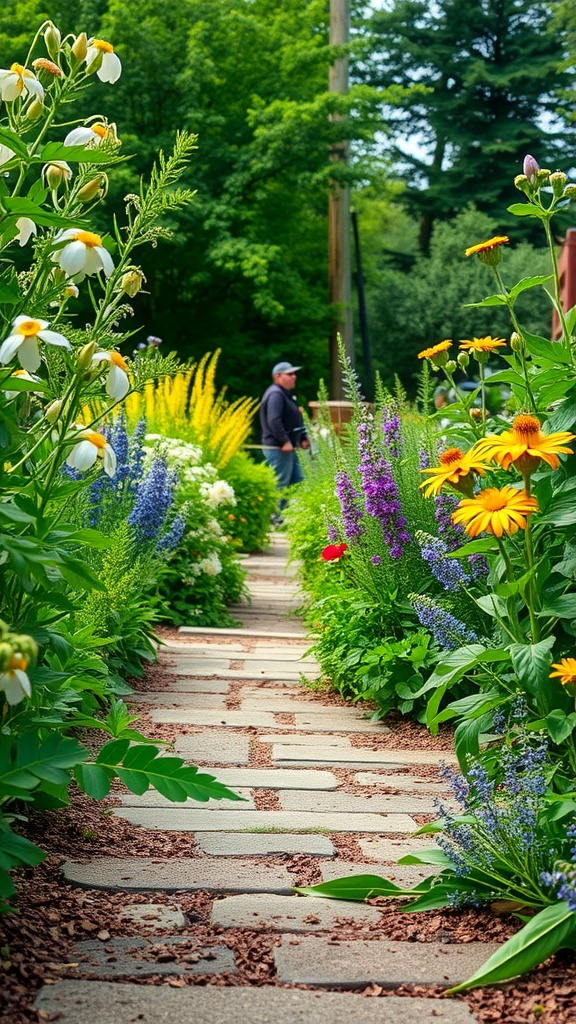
[(542, 176), (80, 47), (55, 173), (476, 414), (451, 366), (5, 655), (463, 360), (570, 191), (521, 182), (46, 70), (530, 168), (52, 39), (85, 355), (35, 109), (558, 180), (132, 282), (92, 190), (52, 411), (517, 343), (71, 291)]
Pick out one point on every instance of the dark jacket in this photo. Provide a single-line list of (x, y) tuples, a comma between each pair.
[(280, 418)]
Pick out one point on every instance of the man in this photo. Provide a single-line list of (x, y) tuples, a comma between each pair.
[(283, 428)]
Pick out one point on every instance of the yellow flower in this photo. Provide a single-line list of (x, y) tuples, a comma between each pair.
[(437, 350), (487, 344), (492, 243), (566, 671), (524, 446), (495, 511), (455, 469)]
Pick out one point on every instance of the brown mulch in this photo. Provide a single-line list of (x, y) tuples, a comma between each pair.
[(36, 945)]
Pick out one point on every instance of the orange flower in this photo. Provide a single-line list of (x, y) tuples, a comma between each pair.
[(495, 511), (454, 469), (492, 243), (524, 446), (487, 344), (565, 671), (436, 350)]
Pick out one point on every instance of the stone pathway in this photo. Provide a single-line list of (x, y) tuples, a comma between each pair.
[(312, 776)]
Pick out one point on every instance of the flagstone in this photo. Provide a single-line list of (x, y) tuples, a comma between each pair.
[(152, 798), (215, 745), (284, 753), (189, 874), (153, 916), (349, 803), (288, 913), (180, 698), (102, 1002), (238, 844), (194, 668), (186, 684), (180, 819), (233, 719), (276, 778), (406, 876), (411, 783), (308, 739), (352, 963), (127, 957), (391, 850), (285, 704), (273, 634)]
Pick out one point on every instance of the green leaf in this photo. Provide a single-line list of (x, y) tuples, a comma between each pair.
[(532, 664), (14, 142), (467, 737), (527, 210), (552, 929), (74, 154), (113, 752), (560, 725), (528, 282), (474, 547), (19, 206), (93, 780), (359, 887), (490, 300), (561, 607)]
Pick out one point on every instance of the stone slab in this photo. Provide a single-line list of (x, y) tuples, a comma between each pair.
[(232, 719), (296, 756), (179, 819), (285, 704), (289, 913), (274, 634), (196, 669), (277, 778), (238, 844), (389, 851), (153, 916), (287, 655), (184, 684), (212, 701), (189, 874), (356, 962), (348, 803), (102, 1002), (221, 747), (308, 739), (406, 876), (152, 798), (410, 783), (127, 957)]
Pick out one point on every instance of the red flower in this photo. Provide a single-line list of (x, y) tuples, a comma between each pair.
[(334, 552)]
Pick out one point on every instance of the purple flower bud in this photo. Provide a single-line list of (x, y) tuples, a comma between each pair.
[(530, 168)]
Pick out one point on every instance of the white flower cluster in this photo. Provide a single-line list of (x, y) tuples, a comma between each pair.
[(218, 493), (211, 565)]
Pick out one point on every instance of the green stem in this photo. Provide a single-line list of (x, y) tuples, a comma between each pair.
[(511, 602), (518, 329)]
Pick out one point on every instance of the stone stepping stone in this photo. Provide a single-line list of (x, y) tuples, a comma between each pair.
[(183, 684), (285, 704), (126, 957), (152, 798), (356, 962), (284, 753), (238, 844), (411, 783), (308, 739), (339, 719), (233, 719), (221, 747), (274, 634), (211, 701), (289, 913), (180, 819), (348, 803), (153, 916), (406, 876), (271, 672), (103, 1002), (389, 851), (276, 778), (286, 656), (189, 874)]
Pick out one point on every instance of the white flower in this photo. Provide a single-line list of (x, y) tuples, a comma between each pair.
[(213, 527), (21, 375), (211, 565), (23, 340), (6, 154), (88, 133), (14, 681), (26, 228), (218, 493), (18, 81), (82, 254), (110, 69), (92, 446), (117, 384)]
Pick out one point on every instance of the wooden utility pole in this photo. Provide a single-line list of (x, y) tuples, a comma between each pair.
[(339, 212)]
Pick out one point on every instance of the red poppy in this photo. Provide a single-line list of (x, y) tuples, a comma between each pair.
[(334, 552)]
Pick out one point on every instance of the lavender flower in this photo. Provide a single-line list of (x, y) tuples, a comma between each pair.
[(171, 540), (424, 459), (376, 560), (391, 430), (447, 631), (381, 494), (448, 571), (155, 496), (351, 510)]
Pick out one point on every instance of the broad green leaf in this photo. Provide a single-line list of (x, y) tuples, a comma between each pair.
[(19, 206), (14, 142), (532, 664), (135, 781), (552, 929), (560, 725), (93, 780), (528, 282), (543, 348), (467, 737), (74, 154), (432, 856), (358, 887), (490, 300), (474, 547), (493, 606), (15, 850), (439, 895), (14, 514), (561, 607), (113, 752), (526, 210)]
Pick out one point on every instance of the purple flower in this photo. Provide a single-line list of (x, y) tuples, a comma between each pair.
[(448, 571), (381, 494), (350, 506), (376, 560), (171, 540), (154, 500), (530, 168), (391, 430), (447, 631)]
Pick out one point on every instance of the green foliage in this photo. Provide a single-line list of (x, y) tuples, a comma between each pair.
[(256, 499)]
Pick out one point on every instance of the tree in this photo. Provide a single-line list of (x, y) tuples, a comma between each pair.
[(487, 75)]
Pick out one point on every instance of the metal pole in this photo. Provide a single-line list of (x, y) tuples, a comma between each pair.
[(339, 212), (366, 356)]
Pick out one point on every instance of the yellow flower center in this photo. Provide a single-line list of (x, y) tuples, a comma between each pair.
[(103, 46), (526, 425), (96, 439), (118, 360), (29, 328), (88, 238), (494, 500), (18, 69), (450, 456), (100, 130)]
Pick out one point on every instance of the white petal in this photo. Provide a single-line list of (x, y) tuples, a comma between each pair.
[(6, 154), (53, 338), (91, 54), (109, 460), (73, 257), (10, 89), (9, 347), (16, 685), (102, 357), (26, 228), (92, 261), (63, 235), (29, 355), (79, 136), (106, 259), (110, 69), (117, 384), (83, 455), (32, 84), (23, 319)]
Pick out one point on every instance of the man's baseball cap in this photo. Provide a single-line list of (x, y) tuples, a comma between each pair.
[(285, 368)]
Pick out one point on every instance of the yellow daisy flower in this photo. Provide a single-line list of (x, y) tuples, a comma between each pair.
[(487, 344), (454, 469), (495, 510), (492, 243), (565, 671), (437, 353), (524, 446)]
